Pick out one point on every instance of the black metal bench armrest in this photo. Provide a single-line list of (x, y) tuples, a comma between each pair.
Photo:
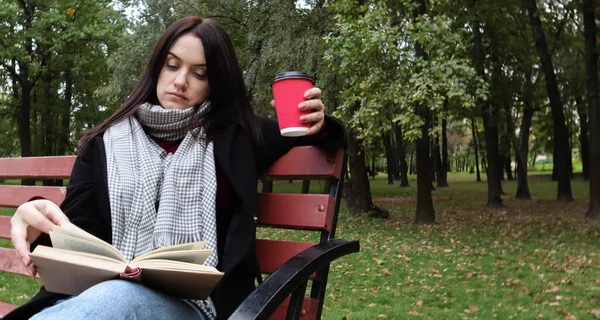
[(265, 299)]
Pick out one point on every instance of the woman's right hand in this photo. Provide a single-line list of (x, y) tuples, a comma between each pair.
[(29, 221)]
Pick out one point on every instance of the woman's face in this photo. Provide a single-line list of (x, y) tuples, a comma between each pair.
[(182, 82)]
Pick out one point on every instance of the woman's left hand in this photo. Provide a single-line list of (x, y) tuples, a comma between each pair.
[(313, 103)]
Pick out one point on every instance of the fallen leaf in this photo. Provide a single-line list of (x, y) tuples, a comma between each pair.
[(414, 313), (371, 305), (596, 313), (379, 262), (419, 303), (472, 309)]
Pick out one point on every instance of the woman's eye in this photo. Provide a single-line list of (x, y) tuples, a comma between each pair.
[(200, 76), (171, 66)]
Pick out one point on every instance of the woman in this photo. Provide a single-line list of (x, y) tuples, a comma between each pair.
[(178, 162)]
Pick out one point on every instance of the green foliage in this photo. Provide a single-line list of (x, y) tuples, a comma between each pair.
[(58, 51), (374, 50)]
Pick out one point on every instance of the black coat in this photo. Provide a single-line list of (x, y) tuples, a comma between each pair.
[(87, 206)]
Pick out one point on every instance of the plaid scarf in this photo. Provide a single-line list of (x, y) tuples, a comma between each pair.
[(159, 199)]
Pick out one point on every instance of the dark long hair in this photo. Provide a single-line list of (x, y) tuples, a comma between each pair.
[(230, 105)]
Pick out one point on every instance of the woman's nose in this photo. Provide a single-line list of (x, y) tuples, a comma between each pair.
[(180, 80)]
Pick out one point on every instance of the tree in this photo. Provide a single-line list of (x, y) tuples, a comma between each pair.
[(54, 56), (593, 97), (390, 153), (476, 145), (374, 51), (401, 156), (489, 114), (561, 137), (425, 211)]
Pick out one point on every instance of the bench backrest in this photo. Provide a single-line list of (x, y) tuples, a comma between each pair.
[(303, 210)]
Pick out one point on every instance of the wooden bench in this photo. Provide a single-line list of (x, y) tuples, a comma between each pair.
[(291, 265)]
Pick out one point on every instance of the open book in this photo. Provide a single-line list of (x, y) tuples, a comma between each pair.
[(79, 260)]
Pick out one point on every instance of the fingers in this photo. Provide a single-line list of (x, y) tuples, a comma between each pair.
[(315, 128), (313, 104), (32, 270), (40, 217), (53, 213), (18, 235), (31, 219), (316, 118), (312, 93), (312, 117)]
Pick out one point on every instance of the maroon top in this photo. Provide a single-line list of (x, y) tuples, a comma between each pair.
[(224, 189)]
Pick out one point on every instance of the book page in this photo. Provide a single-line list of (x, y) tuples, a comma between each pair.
[(182, 283), (173, 265), (69, 242), (180, 247), (71, 229), (72, 272), (190, 256)]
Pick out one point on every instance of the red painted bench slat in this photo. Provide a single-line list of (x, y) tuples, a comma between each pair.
[(273, 253), (6, 308), (37, 167), (308, 163), (9, 262), (309, 306), (297, 211), (4, 227), (13, 196)]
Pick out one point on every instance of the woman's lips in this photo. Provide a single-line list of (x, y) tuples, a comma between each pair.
[(178, 96)]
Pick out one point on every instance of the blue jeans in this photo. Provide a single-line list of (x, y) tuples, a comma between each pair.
[(121, 299)]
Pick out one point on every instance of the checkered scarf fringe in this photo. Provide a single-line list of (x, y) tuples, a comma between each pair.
[(159, 199)]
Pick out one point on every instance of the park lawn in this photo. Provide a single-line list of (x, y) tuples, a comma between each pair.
[(531, 260)]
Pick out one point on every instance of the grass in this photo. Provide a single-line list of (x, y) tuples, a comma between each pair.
[(536, 259)]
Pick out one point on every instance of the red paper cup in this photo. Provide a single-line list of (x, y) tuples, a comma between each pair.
[(288, 92)]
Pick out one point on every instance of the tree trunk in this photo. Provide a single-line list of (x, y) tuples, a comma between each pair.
[(358, 190), (373, 169), (593, 93), (501, 162), (508, 168), (484, 163), (560, 130), (412, 169), (440, 168), (518, 148), (24, 119), (390, 155), (554, 165), (508, 139), (489, 122), (394, 146), (445, 142), (63, 139), (402, 156), (424, 213), (432, 157), (583, 137), (476, 143)]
